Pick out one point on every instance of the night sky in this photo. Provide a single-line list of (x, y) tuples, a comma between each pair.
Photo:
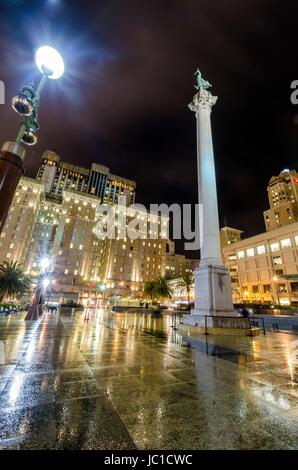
[(123, 100)]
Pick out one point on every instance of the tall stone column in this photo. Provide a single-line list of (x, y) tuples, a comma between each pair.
[(213, 293)]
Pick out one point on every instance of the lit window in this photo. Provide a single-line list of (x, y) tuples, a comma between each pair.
[(296, 240), (80, 247), (286, 243), (66, 271), (11, 245), (277, 260), (261, 250), (250, 252), (8, 255), (67, 220), (71, 245), (274, 247), (75, 272), (240, 254)]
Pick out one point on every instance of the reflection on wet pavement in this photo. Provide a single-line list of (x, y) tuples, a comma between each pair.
[(121, 381)]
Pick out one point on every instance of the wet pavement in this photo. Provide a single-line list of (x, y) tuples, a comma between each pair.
[(126, 381)]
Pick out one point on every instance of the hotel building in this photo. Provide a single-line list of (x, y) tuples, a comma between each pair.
[(17, 231), (55, 217), (264, 268), (59, 176)]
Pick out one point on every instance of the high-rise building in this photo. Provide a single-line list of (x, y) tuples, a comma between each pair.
[(283, 200), (59, 176)]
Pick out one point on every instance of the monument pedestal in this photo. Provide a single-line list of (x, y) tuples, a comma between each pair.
[(213, 295)]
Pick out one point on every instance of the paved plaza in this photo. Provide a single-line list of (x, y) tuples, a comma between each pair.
[(128, 381)]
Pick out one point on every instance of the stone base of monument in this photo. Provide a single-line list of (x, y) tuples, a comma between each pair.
[(214, 312), (225, 326)]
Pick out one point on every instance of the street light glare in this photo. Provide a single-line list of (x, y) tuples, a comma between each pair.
[(44, 263), (49, 61), (45, 283)]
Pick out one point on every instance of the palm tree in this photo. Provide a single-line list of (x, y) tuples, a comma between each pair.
[(149, 289), (162, 288), (186, 283), (158, 289), (13, 282)]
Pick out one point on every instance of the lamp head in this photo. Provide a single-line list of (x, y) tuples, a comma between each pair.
[(22, 104), (49, 62), (30, 136)]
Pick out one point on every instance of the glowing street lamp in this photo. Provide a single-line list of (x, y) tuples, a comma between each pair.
[(46, 282), (43, 283), (51, 65), (44, 264), (26, 104)]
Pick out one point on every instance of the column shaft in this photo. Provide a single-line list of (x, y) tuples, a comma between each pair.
[(210, 247)]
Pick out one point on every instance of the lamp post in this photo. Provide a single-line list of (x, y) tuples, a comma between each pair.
[(103, 289), (43, 283), (275, 280), (26, 104)]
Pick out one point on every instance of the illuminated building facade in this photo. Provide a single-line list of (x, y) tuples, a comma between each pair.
[(59, 176), (283, 200), (178, 265), (264, 268), (61, 228), (229, 235), (18, 229)]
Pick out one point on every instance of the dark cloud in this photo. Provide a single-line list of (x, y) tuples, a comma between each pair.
[(123, 100)]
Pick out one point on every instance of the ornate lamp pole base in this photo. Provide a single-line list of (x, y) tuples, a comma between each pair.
[(11, 169)]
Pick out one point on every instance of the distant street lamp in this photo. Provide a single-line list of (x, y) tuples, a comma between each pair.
[(43, 283), (103, 289), (26, 104)]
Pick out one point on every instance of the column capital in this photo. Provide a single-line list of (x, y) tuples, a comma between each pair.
[(203, 100)]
